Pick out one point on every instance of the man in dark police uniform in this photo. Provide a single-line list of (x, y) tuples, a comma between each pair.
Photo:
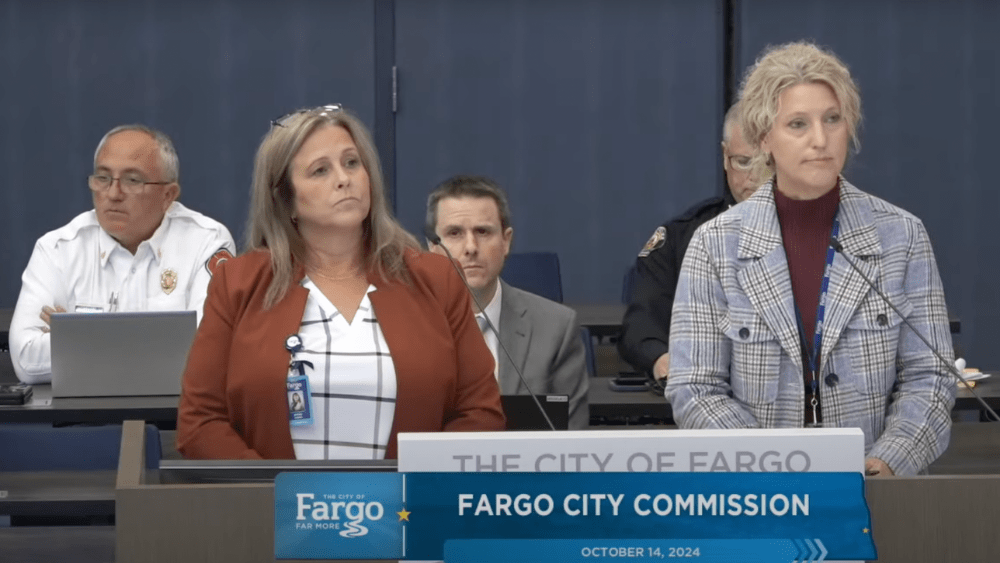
[(646, 326)]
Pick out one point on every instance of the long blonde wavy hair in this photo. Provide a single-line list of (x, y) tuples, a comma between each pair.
[(270, 226)]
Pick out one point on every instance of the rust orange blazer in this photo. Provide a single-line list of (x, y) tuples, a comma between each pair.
[(233, 402)]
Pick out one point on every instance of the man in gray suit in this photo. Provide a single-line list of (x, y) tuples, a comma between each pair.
[(471, 216)]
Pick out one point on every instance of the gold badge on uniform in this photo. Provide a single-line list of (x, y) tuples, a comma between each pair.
[(168, 280), (654, 242)]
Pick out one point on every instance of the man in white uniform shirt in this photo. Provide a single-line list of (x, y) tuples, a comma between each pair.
[(471, 215), (137, 250)]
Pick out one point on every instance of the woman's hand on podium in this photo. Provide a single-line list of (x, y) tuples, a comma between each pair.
[(875, 467)]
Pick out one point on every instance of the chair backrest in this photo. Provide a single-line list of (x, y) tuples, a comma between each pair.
[(588, 347), (627, 284), (42, 447), (535, 272), (7, 374)]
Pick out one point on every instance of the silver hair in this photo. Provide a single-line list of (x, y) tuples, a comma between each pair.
[(170, 165), (730, 122)]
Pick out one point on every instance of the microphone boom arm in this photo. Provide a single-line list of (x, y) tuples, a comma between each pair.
[(954, 370)]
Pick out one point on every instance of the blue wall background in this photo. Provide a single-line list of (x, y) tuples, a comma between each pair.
[(600, 117), (211, 74)]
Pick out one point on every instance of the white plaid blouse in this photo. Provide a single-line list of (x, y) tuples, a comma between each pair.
[(353, 382)]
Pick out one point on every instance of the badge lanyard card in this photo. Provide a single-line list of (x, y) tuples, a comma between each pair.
[(300, 412), (814, 353)]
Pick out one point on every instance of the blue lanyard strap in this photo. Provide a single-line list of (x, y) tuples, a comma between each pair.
[(813, 354)]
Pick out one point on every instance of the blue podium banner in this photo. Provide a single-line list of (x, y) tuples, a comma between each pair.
[(338, 516), (633, 551), (525, 517)]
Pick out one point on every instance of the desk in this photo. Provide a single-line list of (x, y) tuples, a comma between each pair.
[(988, 389), (79, 544), (974, 450), (605, 403), (605, 319), (43, 408), (48, 493)]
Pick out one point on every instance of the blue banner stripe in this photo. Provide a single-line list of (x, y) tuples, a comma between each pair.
[(389, 516)]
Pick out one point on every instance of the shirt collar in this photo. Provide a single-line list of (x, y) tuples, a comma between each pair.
[(108, 245), (493, 309)]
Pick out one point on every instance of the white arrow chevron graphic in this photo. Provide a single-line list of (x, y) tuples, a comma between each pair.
[(812, 551), (822, 550), (800, 551)]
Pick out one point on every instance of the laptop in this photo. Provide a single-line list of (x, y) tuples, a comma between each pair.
[(523, 414), (120, 354)]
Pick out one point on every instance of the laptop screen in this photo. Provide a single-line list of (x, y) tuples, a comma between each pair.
[(523, 414), (120, 354)]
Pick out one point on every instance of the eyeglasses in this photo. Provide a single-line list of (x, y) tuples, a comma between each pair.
[(321, 110), (130, 183), (739, 162)]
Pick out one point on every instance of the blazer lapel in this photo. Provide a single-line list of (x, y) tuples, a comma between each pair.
[(515, 333), (285, 318), (861, 243), (766, 280)]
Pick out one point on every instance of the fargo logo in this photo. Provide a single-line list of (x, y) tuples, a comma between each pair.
[(327, 515)]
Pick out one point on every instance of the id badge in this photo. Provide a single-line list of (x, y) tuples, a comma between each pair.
[(299, 401), (88, 309)]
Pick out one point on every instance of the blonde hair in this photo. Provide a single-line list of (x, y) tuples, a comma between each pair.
[(779, 68), (270, 226)]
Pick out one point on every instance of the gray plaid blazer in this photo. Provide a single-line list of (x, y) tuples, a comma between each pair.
[(735, 358)]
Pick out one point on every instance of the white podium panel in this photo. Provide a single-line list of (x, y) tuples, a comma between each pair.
[(754, 450)]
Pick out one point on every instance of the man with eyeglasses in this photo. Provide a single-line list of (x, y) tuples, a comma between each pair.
[(138, 250), (646, 326)]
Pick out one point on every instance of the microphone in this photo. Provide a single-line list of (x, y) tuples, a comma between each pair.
[(835, 244), (436, 240)]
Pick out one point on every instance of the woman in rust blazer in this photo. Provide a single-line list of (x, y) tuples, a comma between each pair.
[(318, 211)]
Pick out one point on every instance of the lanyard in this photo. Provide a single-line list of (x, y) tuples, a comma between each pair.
[(814, 353)]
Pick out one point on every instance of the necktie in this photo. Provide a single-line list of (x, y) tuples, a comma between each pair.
[(481, 320)]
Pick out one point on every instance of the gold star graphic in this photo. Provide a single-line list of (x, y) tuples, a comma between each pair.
[(864, 530), (404, 515)]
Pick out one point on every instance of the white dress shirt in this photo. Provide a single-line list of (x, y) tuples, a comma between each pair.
[(352, 382), (493, 311), (81, 268)]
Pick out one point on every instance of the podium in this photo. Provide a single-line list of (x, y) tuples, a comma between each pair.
[(914, 519)]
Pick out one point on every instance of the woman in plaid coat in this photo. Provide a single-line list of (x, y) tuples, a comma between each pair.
[(771, 327)]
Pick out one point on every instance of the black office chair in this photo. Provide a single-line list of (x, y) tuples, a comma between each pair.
[(7, 375), (535, 272)]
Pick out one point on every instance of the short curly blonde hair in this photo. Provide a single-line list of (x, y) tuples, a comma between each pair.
[(779, 68)]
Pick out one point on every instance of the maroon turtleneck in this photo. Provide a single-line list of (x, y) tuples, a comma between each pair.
[(805, 234)]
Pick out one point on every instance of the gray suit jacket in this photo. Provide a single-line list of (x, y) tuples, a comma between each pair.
[(543, 338)]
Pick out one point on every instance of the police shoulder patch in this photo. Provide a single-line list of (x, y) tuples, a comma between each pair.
[(656, 241), (220, 256)]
